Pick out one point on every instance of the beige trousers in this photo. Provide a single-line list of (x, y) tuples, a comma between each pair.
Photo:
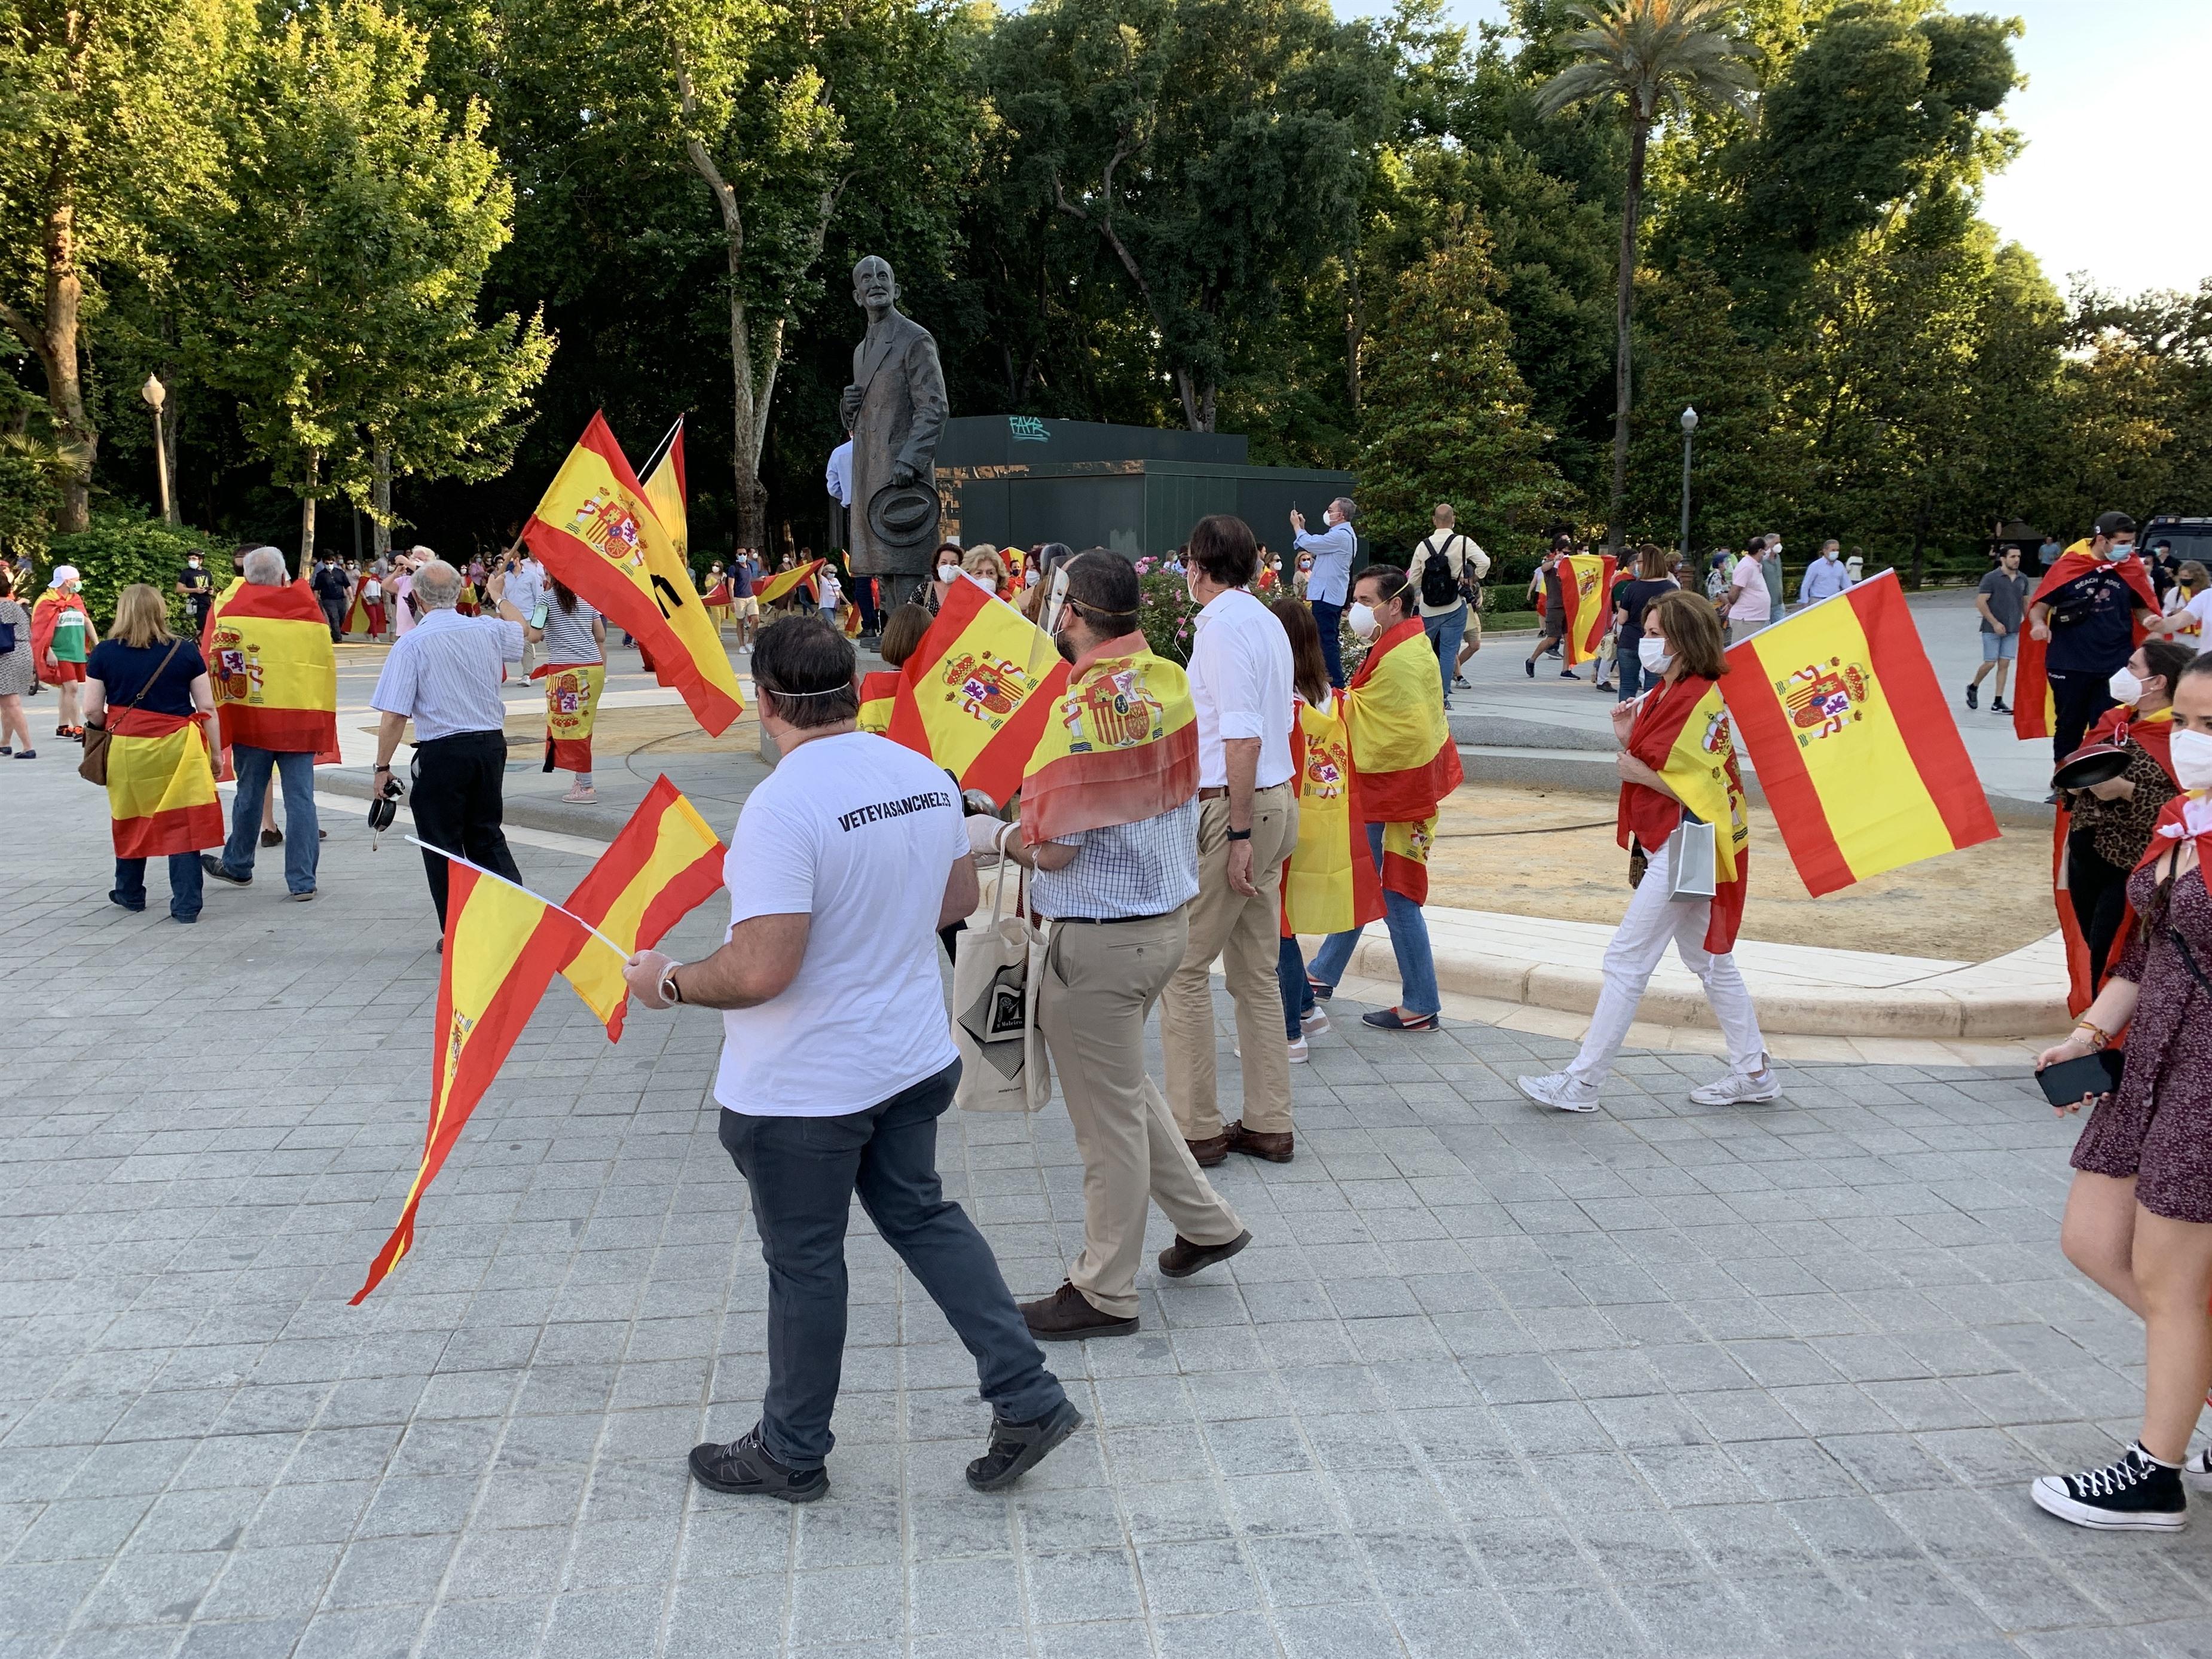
[(1245, 934), (1099, 984)]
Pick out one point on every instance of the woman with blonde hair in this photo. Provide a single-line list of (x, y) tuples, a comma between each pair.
[(983, 563)]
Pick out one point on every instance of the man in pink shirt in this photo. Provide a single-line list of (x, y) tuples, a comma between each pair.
[(1752, 606)]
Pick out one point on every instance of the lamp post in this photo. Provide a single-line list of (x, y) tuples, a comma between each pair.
[(156, 395), (1689, 429)]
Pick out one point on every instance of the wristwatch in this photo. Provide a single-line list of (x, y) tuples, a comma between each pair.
[(1240, 835), (671, 992)]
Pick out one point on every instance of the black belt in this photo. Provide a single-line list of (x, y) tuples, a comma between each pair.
[(1107, 921)]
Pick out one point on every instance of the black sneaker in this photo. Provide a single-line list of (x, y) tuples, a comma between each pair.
[(2133, 1495), (1973, 697), (746, 1466), (1998, 707), (1017, 1447), (213, 866)]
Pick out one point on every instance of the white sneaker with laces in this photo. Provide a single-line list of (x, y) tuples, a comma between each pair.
[(1559, 1091), (1739, 1088), (1297, 1051), (2199, 1464), (1314, 1020)]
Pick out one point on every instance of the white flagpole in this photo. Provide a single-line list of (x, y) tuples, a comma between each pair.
[(455, 858)]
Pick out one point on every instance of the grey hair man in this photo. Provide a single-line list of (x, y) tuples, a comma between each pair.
[(444, 674)]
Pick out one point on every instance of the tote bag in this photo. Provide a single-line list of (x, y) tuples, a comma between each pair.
[(1003, 1068)]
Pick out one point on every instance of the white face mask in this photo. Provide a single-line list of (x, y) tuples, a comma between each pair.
[(1029, 578), (1362, 618), (2125, 687), (948, 572), (2192, 759), (1652, 651)]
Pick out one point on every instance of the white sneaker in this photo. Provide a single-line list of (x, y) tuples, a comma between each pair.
[(2199, 1464), (1559, 1091), (1738, 1089), (1315, 1020), (1297, 1051)]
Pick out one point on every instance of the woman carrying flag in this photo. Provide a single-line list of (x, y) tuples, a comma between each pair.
[(1677, 769), (575, 673)]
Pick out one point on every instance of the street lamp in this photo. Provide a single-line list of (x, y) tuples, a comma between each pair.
[(1689, 429), (156, 395)]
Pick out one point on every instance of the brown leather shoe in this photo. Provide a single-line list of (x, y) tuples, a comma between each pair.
[(1275, 1148), (1067, 1316), (1182, 1258), (1212, 1150)]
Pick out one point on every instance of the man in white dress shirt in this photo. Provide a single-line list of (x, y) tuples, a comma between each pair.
[(1241, 682)]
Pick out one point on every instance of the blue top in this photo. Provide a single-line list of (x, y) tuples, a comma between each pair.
[(445, 673), (2105, 639), (1330, 578), (122, 669), (1823, 580)]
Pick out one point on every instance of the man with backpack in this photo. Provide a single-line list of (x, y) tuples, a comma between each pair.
[(1437, 574)]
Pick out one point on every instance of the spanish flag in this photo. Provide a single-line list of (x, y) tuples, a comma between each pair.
[(849, 615), (2153, 733), (50, 605), (1330, 885), (1402, 744), (1855, 745), (665, 493), (1586, 597), (572, 708), (2032, 714), (1681, 732), (663, 865), (597, 533), (780, 585), (878, 692), (503, 945), (160, 785), (978, 692), (1119, 745), (275, 676), (356, 620)]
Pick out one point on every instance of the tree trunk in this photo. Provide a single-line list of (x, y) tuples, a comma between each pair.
[(379, 503), (307, 512), (1919, 546), (53, 339), (1354, 330), (1624, 305)]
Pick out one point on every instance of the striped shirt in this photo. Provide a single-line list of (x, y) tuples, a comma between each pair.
[(445, 674), (1143, 869)]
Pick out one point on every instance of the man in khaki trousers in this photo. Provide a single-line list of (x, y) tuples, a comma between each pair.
[(1116, 894), (1241, 682)]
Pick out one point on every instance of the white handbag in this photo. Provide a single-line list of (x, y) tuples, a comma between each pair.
[(995, 964), (1693, 866)]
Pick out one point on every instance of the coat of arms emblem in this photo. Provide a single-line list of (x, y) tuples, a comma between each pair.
[(1823, 698), (1110, 710)]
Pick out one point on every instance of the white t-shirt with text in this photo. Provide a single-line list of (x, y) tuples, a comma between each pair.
[(858, 832)]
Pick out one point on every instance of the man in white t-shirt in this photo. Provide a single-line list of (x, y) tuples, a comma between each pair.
[(837, 1060)]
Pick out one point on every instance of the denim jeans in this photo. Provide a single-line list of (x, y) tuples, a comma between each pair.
[(1297, 996), (1444, 633), (803, 1173), (297, 771), (1629, 667), (1409, 943), (1329, 619), (187, 882)]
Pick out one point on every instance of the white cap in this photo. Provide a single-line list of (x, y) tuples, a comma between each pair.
[(63, 572)]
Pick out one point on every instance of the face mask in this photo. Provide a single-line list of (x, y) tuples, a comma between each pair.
[(1028, 579), (947, 573), (2192, 759), (1361, 618), (1653, 654), (2125, 687), (2119, 551)]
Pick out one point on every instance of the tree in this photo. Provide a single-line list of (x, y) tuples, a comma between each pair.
[(1644, 52)]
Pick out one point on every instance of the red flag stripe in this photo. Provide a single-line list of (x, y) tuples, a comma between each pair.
[(1916, 699)]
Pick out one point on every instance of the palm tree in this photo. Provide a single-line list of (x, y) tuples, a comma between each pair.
[(1642, 52)]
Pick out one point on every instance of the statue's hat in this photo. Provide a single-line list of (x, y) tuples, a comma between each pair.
[(903, 516)]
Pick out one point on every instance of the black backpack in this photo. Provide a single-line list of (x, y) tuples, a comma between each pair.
[(1439, 588)]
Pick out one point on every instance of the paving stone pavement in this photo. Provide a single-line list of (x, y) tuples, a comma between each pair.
[(1756, 1381)]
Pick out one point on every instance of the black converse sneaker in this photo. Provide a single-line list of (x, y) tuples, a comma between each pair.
[(2136, 1494)]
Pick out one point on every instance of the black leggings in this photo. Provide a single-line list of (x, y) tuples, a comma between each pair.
[(2099, 891)]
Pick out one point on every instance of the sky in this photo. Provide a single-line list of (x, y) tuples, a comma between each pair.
[(2113, 179)]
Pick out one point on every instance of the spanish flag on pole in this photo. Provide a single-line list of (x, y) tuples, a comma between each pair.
[(160, 785), (1330, 885), (596, 530), (780, 585), (978, 692), (503, 945), (665, 864), (879, 693), (1586, 597), (1119, 745), (665, 493), (2032, 715), (274, 677), (1681, 732), (1855, 746)]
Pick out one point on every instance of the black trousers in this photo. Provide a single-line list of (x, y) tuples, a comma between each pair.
[(2099, 889), (456, 800), (334, 614), (2076, 699)]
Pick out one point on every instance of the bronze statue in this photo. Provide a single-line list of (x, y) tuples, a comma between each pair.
[(895, 410)]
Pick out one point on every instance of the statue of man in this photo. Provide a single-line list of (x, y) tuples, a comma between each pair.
[(895, 410)]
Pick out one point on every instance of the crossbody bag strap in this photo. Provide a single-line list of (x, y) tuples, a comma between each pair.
[(131, 707), (2189, 958)]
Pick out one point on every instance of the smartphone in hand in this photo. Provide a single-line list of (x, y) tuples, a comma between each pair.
[(2070, 1080)]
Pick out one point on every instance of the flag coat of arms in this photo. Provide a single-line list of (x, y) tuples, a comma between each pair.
[(978, 692), (1586, 599), (1119, 745), (596, 532), (571, 709), (665, 864), (2032, 714), (1862, 762), (272, 670), (1330, 885)]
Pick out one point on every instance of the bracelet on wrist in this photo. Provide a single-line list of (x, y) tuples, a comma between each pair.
[(1240, 835), (2099, 1036)]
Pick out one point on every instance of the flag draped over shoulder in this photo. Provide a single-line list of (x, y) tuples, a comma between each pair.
[(503, 946), (356, 620), (2153, 733), (597, 533), (979, 690), (2032, 715), (780, 585), (273, 672), (160, 785), (572, 708), (51, 604), (1856, 748), (665, 864), (1119, 745), (1402, 752), (1586, 598), (879, 693), (1681, 733), (1330, 885)]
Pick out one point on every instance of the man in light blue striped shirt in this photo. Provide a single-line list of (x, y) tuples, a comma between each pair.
[(1330, 579)]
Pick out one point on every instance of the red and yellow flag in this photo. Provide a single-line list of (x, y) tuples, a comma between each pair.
[(596, 532), (1681, 732), (356, 620), (274, 674), (572, 708), (1330, 885), (1402, 744), (664, 493), (160, 785), (665, 864), (879, 693), (2032, 714), (1119, 745), (781, 584), (978, 691), (1857, 751), (502, 947), (1586, 597)]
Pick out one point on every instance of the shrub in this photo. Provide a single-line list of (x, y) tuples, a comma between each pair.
[(119, 551)]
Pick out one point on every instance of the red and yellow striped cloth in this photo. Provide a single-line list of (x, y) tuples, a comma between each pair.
[(273, 672), (1119, 745), (1586, 597), (782, 584), (978, 691), (160, 785), (1681, 732), (1330, 885), (879, 694), (665, 864), (572, 708)]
